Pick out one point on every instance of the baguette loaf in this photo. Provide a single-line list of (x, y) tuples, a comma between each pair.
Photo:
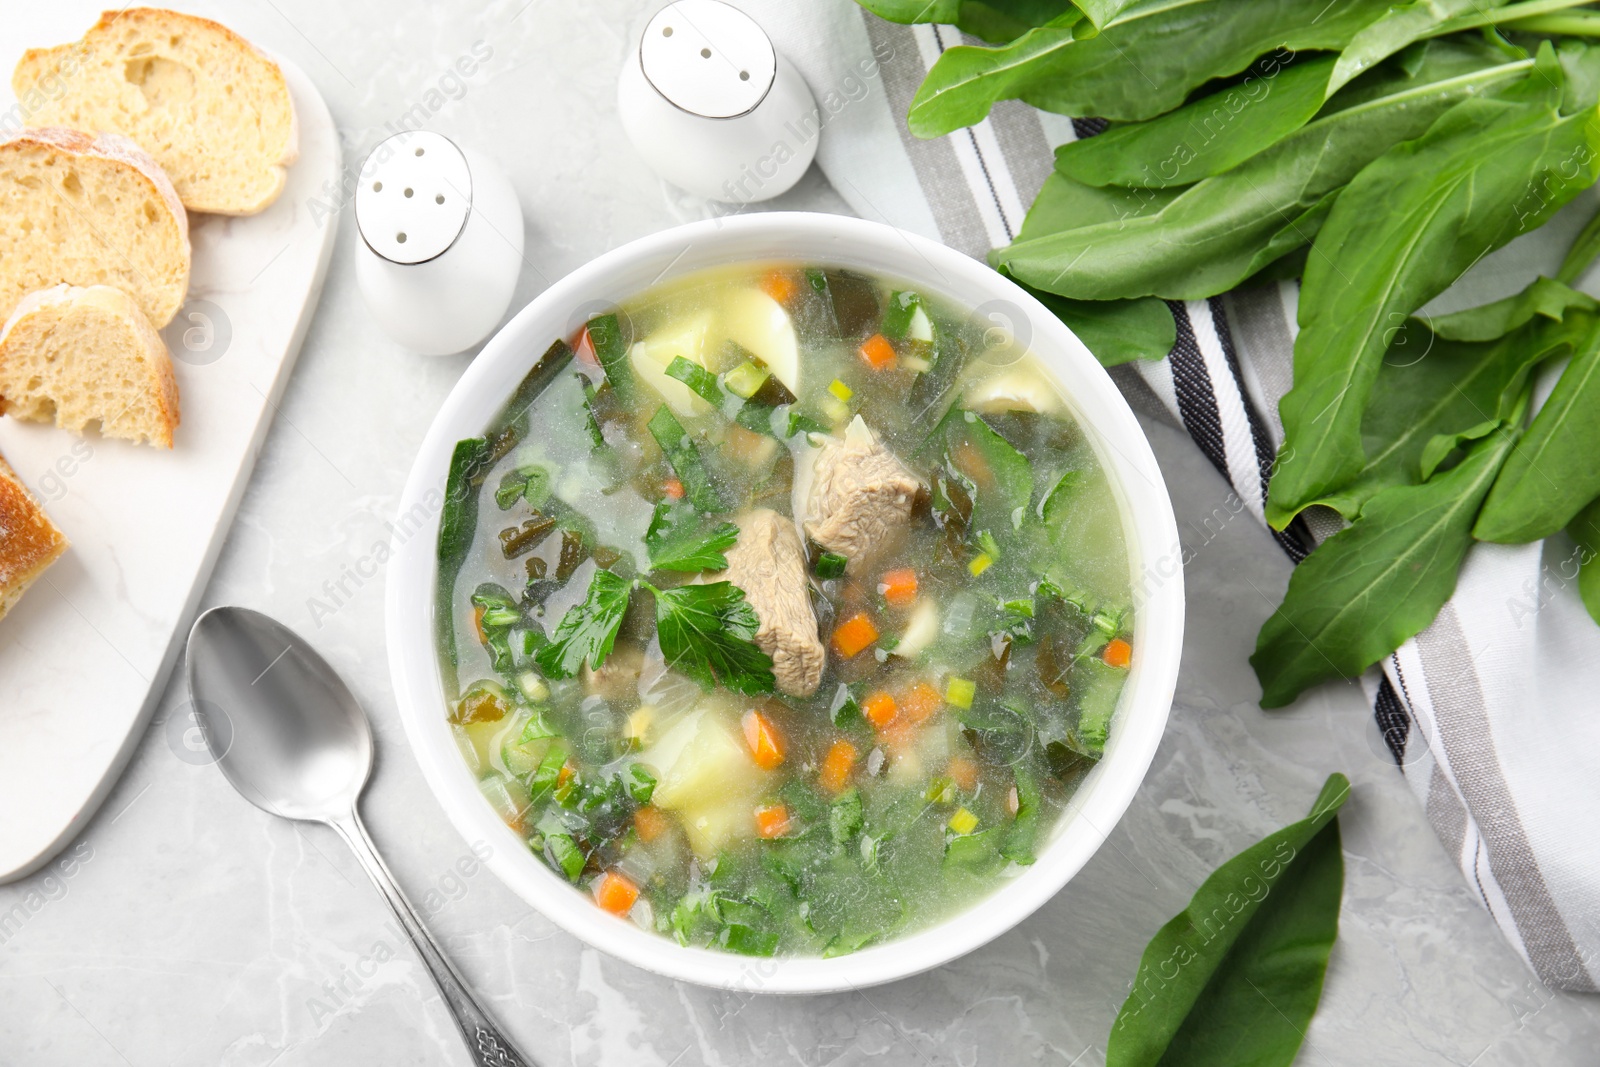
[(29, 541), (89, 210), (211, 109), (73, 356)]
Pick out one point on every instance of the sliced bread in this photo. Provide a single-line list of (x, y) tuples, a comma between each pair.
[(213, 111), (90, 210), (73, 356), (29, 541)]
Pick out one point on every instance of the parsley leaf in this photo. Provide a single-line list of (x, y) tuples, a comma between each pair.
[(587, 631), (679, 542), (708, 633)]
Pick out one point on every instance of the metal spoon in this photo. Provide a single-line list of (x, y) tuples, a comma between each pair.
[(292, 739)]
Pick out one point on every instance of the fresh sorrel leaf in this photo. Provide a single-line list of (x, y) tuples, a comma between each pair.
[(1398, 27), (1408, 225), (1585, 530), (1235, 977), (1196, 242), (1146, 61), (1117, 331), (1554, 471), (1206, 136), (1434, 393), (1371, 587)]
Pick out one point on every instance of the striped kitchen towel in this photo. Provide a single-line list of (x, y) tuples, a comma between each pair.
[(1489, 714)]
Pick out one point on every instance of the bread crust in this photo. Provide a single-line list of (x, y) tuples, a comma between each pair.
[(36, 63), (29, 541)]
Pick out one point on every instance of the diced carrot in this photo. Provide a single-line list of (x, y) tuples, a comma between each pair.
[(780, 285), (1118, 653), (880, 709), (920, 702), (564, 775), (877, 352), (963, 772), (477, 623), (583, 348), (651, 822), (772, 820), (765, 745), (898, 587), (836, 767), (899, 736), (615, 893), (673, 488), (854, 634)]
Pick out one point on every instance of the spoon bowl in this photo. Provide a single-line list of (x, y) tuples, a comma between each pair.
[(279, 721)]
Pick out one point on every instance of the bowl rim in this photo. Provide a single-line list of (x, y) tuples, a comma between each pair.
[(1155, 561)]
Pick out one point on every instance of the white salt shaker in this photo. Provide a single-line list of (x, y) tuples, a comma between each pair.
[(714, 108), (441, 242)]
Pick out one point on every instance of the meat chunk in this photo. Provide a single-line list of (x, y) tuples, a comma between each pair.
[(861, 497), (769, 564)]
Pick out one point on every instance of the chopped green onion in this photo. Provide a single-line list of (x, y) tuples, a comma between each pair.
[(963, 822), (564, 855), (831, 565), (980, 563), (941, 791), (960, 691), (697, 378), (745, 380), (533, 686), (841, 391)]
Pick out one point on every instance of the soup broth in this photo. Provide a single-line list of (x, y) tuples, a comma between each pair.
[(782, 610)]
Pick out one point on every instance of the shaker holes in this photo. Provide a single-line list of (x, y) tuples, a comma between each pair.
[(705, 53), (408, 194), (400, 237), (377, 187), (439, 199), (666, 31)]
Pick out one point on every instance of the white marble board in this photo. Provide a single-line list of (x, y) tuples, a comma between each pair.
[(86, 654)]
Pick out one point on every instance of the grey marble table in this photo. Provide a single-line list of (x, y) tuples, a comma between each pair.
[(196, 930)]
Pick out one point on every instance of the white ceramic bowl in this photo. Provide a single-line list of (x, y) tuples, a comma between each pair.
[(831, 240)]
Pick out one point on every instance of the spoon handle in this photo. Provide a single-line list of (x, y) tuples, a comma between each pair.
[(489, 1047)]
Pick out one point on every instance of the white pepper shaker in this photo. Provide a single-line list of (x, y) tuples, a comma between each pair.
[(441, 242), (714, 108)]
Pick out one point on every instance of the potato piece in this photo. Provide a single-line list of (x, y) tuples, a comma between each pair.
[(651, 357), (1020, 387), (710, 828), (699, 761), (705, 775), (757, 322)]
